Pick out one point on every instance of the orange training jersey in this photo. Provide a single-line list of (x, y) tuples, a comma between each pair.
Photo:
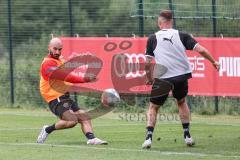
[(55, 87), (48, 65)]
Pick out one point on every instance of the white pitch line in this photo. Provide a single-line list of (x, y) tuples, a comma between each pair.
[(216, 124), (24, 114), (124, 150), (18, 129), (124, 120), (107, 125)]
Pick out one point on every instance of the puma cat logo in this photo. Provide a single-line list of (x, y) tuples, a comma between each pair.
[(167, 39)]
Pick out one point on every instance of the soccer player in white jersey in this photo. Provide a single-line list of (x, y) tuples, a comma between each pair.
[(168, 47)]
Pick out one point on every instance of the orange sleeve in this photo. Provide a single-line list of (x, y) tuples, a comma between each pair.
[(47, 68), (50, 69), (76, 79)]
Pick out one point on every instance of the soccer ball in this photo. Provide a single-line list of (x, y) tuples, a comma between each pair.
[(110, 97)]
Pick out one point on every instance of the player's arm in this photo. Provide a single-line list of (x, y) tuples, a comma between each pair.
[(191, 44), (77, 79), (50, 69), (205, 53), (47, 68), (151, 45), (148, 70)]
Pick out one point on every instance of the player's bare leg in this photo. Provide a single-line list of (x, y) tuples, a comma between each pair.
[(62, 124), (184, 114), (151, 122), (84, 121), (152, 114), (86, 126), (70, 119)]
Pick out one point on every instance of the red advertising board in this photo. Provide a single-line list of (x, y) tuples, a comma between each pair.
[(206, 80)]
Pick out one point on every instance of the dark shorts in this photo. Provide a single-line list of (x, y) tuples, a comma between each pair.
[(62, 104), (161, 88)]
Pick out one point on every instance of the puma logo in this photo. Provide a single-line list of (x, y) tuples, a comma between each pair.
[(167, 39)]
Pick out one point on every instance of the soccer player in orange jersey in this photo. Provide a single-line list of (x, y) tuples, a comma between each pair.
[(61, 104)]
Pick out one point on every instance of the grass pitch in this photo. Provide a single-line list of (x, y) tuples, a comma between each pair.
[(217, 137)]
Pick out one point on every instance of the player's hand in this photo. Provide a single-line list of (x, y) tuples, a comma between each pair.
[(216, 65), (90, 78), (149, 82)]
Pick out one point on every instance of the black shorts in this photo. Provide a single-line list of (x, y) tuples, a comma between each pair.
[(62, 104), (161, 88)]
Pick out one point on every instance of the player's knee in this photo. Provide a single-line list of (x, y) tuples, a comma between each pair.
[(81, 111), (71, 124), (85, 122), (83, 116), (181, 101), (154, 106)]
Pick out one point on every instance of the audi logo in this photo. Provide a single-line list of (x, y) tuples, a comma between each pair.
[(128, 65)]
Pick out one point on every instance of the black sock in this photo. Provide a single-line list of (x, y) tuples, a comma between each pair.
[(186, 130), (89, 135), (149, 132), (51, 128)]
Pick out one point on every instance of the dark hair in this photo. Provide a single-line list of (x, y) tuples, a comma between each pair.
[(167, 14)]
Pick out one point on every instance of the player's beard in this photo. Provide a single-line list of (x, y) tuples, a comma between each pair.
[(56, 56)]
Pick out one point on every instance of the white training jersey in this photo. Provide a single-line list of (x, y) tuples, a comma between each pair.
[(168, 47)]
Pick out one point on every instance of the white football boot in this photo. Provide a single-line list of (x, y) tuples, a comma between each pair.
[(96, 141), (147, 143), (42, 135), (189, 141)]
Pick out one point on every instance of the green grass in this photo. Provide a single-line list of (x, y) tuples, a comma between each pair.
[(217, 137)]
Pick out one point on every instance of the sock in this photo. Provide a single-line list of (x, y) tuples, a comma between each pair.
[(186, 130), (149, 132), (89, 135), (51, 128)]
